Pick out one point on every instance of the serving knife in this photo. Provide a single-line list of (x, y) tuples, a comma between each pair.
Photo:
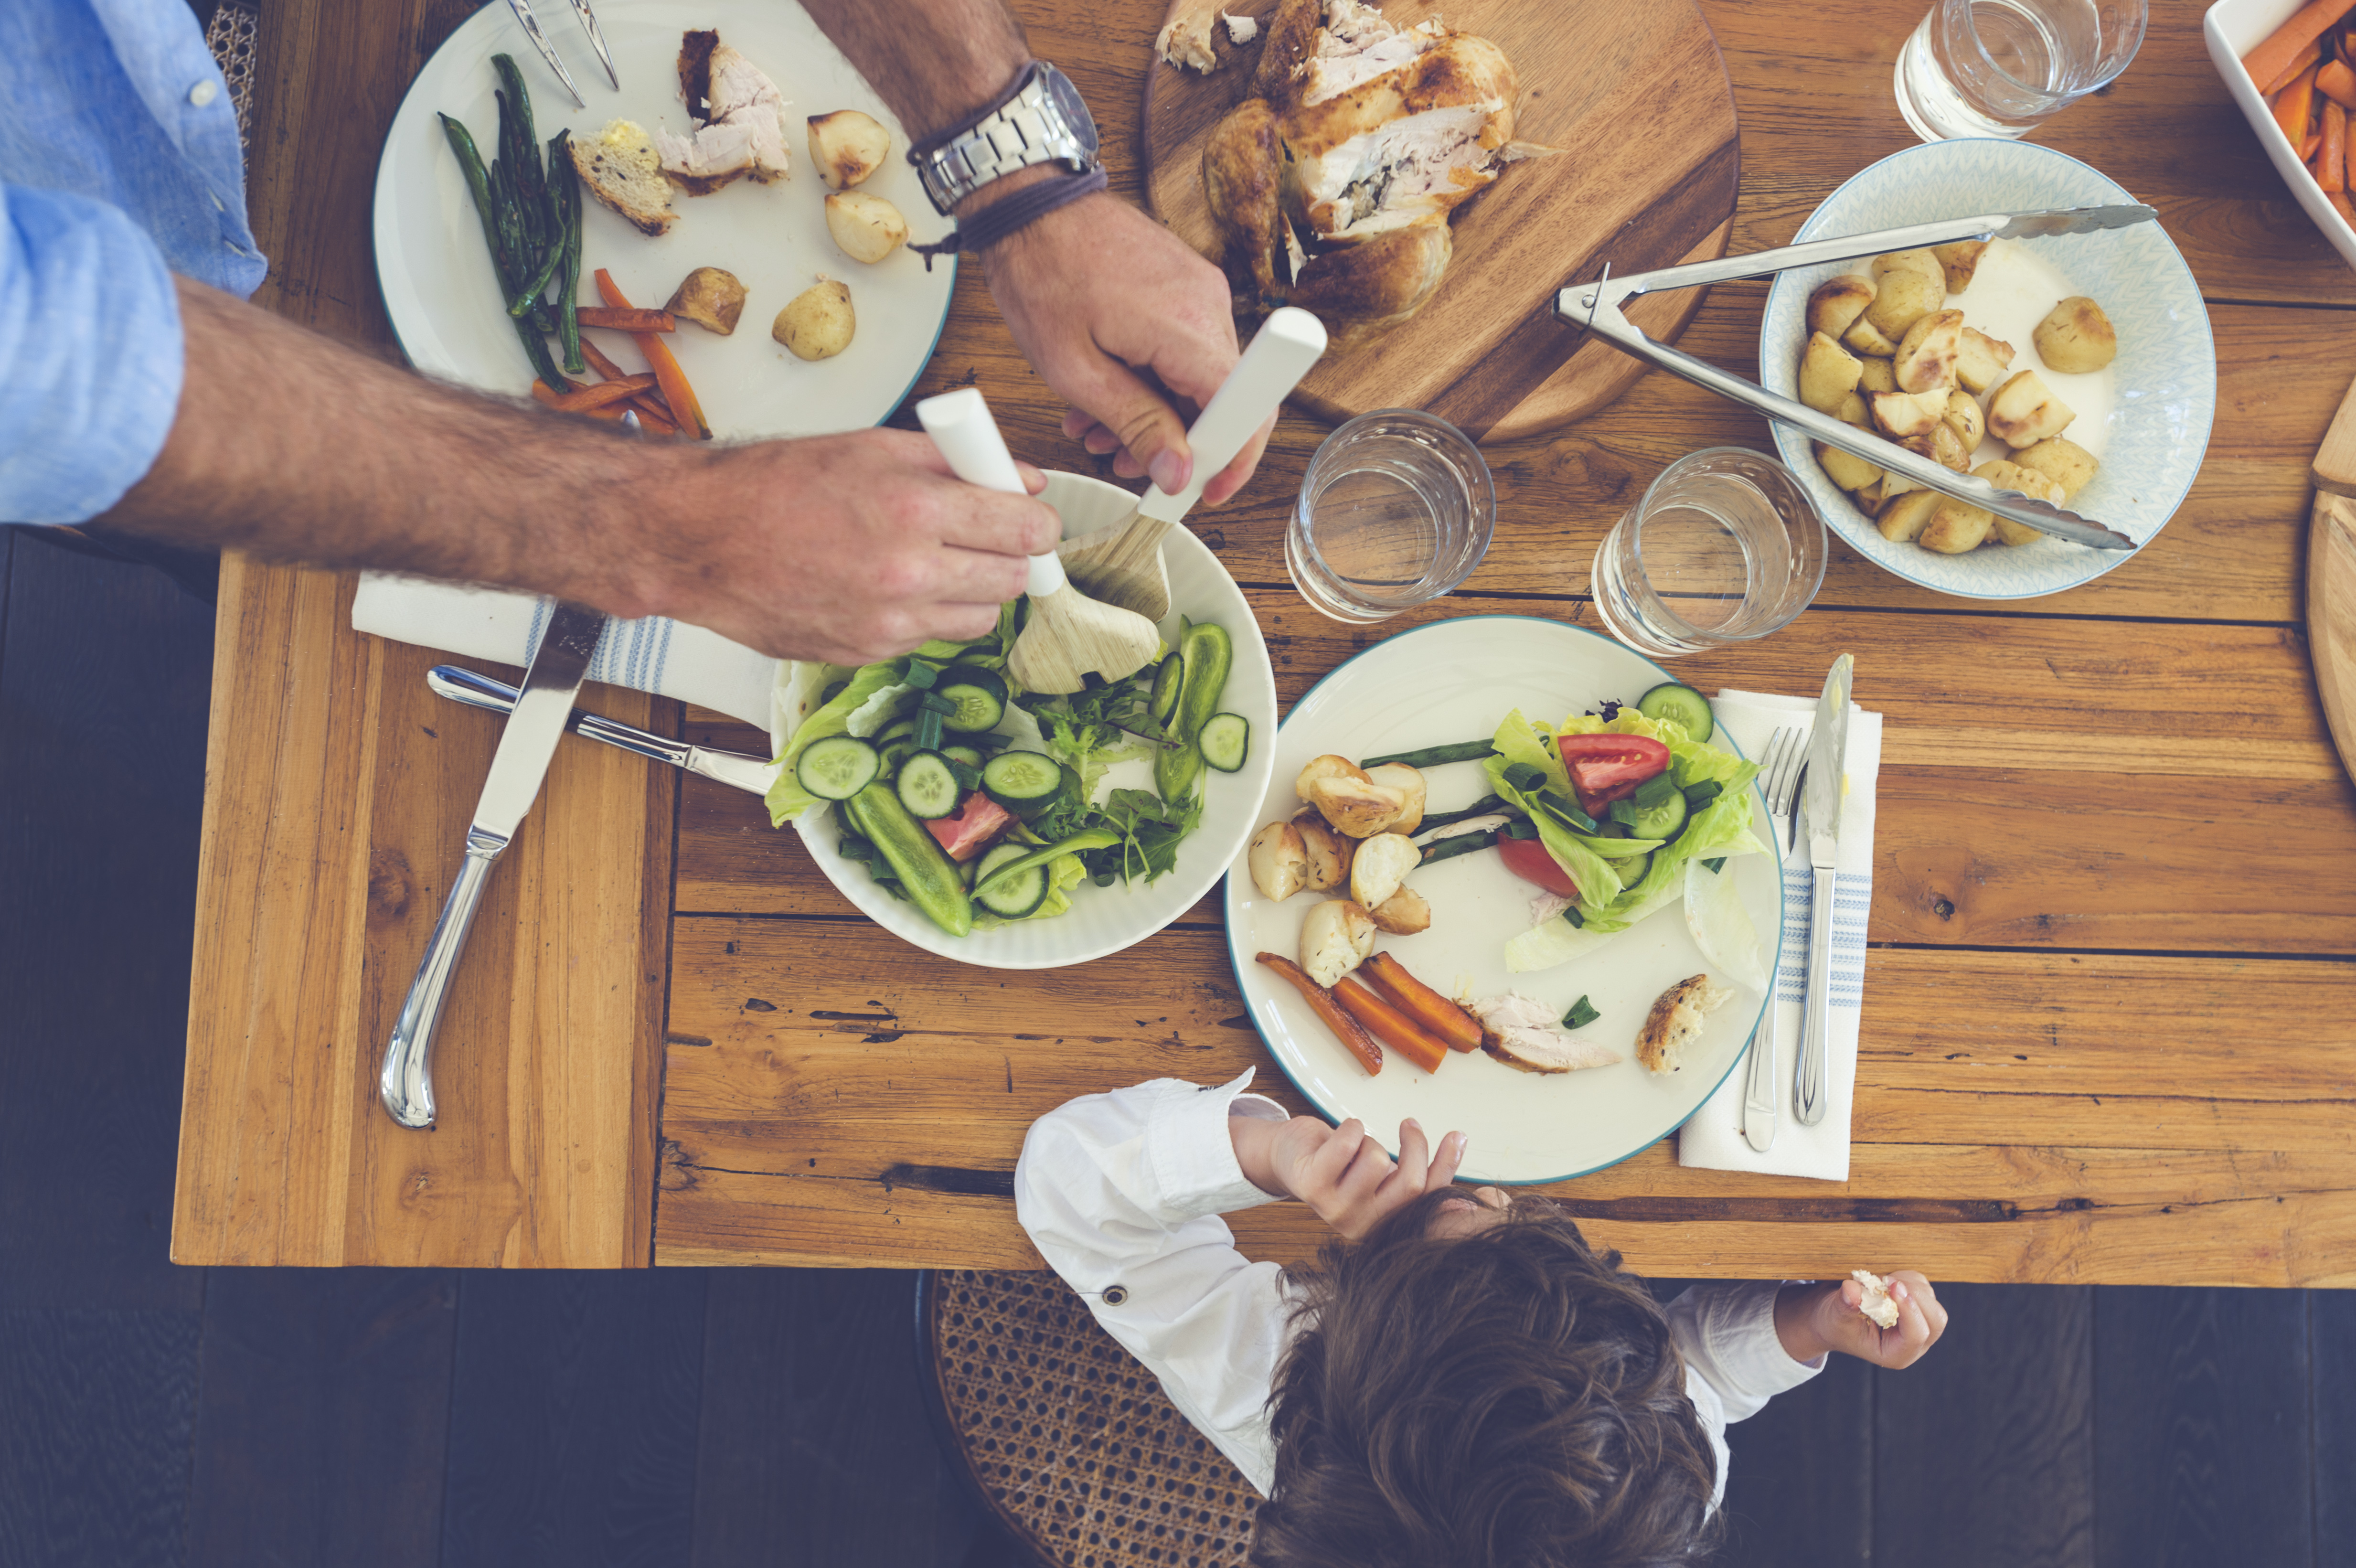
[(1598, 308), (1821, 799), (737, 770), (405, 1083)]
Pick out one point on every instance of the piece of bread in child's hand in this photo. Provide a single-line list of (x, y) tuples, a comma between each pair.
[(1675, 1022), (1876, 1302)]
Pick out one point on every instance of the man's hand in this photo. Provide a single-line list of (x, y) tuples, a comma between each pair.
[(1341, 1173), (1130, 326), (1813, 1319)]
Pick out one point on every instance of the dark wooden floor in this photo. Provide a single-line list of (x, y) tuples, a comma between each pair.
[(153, 1416)]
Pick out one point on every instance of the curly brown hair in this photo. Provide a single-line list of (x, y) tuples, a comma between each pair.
[(1507, 1398)]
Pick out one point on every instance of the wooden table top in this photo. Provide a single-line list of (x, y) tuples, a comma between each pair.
[(2107, 1030)]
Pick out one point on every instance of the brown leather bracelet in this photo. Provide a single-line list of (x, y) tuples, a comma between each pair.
[(1009, 213)]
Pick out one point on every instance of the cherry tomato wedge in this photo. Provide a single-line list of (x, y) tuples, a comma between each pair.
[(1528, 859), (1608, 768)]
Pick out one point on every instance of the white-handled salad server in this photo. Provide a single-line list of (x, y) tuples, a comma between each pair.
[(1122, 565), (1598, 308), (1067, 636)]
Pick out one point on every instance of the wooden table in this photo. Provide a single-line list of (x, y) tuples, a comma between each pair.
[(2108, 1029)]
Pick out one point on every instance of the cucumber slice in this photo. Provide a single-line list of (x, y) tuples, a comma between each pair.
[(1025, 782), (1225, 741), (837, 767), (1631, 868), (1661, 822), (1679, 704), (968, 755), (1169, 681), (980, 696), (896, 729), (1013, 897), (897, 752), (927, 787)]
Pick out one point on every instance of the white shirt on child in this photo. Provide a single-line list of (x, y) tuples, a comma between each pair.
[(1127, 1188)]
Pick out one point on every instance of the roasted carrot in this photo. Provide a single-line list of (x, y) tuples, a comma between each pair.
[(2331, 163), (561, 402), (2310, 148), (654, 415), (601, 395), (1435, 1014), (1391, 1027), (677, 393), (2339, 205), (2295, 108), (2306, 57), (2271, 59), (599, 363), (1345, 1028), (2337, 82), (624, 320)]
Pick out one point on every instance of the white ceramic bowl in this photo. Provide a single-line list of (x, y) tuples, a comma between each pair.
[(2166, 371), (435, 272), (2232, 29), (1106, 919)]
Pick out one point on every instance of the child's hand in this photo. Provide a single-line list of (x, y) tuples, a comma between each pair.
[(1812, 1320), (1341, 1173)]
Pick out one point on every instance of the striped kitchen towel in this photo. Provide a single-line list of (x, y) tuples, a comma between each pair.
[(1712, 1137)]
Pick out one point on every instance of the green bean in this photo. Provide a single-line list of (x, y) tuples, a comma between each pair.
[(1434, 755), (478, 185), (568, 187), (522, 304), (535, 345), (1462, 843), (1483, 807)]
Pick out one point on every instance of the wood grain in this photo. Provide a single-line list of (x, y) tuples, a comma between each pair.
[(2332, 617), (1638, 99)]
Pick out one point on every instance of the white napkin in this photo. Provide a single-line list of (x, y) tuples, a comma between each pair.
[(1712, 1137), (667, 657)]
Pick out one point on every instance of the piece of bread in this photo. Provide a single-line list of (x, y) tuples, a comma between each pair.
[(1676, 1020), (1876, 1302), (622, 169)]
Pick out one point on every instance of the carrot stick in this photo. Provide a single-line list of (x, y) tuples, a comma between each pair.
[(601, 395), (2273, 58), (628, 320), (2306, 57), (2339, 205), (2308, 149), (599, 363), (676, 392), (2294, 107), (2337, 82), (1369, 1055), (1435, 1014), (2331, 163), (1389, 1024), (653, 416)]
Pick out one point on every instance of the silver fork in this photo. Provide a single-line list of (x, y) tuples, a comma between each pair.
[(1779, 771), (532, 29)]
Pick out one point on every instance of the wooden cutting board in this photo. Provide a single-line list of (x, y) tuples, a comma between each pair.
[(1636, 95), (2332, 580)]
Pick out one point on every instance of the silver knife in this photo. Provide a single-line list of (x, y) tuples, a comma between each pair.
[(405, 1083), (737, 770), (1600, 307), (1821, 802)]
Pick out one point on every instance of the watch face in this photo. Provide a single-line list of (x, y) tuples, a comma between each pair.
[(1075, 110)]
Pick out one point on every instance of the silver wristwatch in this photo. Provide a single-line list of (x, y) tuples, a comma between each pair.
[(1042, 120)]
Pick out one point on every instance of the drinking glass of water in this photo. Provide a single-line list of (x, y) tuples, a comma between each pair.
[(1395, 510), (1997, 68), (1724, 548)]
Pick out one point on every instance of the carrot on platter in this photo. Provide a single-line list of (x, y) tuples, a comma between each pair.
[(2337, 82), (2294, 109), (1419, 1002), (628, 320), (2331, 163), (1391, 1027), (2306, 57), (2271, 59), (1345, 1028), (677, 393)]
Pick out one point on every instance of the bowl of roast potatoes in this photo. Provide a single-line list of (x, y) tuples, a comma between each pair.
[(2078, 369)]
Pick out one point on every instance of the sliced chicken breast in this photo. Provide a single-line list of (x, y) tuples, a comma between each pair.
[(1521, 1032), (739, 115)]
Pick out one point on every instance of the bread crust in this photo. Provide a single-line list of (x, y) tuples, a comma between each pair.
[(614, 183), (1674, 1021)]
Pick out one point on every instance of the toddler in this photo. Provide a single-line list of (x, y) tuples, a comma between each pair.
[(1459, 1380)]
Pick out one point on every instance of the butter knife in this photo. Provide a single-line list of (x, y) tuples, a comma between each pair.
[(1821, 799), (737, 770), (405, 1083)]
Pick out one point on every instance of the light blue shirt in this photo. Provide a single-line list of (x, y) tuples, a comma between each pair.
[(118, 166)]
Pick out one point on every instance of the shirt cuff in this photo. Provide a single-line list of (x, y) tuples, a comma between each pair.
[(1748, 1333), (1193, 1155)]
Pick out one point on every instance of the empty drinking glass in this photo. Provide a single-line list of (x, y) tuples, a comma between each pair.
[(1395, 510), (1724, 547), (1997, 68)]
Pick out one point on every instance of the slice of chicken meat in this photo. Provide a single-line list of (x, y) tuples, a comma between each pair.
[(1356, 45), (1411, 170), (1521, 1032), (740, 120)]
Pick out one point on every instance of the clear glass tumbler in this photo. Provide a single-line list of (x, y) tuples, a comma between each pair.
[(1724, 547), (1997, 68), (1395, 510)]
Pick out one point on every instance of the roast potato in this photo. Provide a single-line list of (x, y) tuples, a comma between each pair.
[(1955, 527), (1828, 374), (1909, 414), (1922, 261), (1408, 782), (2006, 475), (1847, 470), (818, 323), (1864, 338), (2076, 338), (1981, 361), (1879, 375), (711, 298), (1403, 914), (1959, 262), (2062, 460), (1359, 811), (847, 146), (1381, 867), (1868, 499), (1327, 766), (2024, 411), (1903, 297), (1836, 306), (1926, 355), (1942, 445), (1335, 938), (1279, 860), (1901, 518), (1852, 411), (868, 228), (1329, 853)]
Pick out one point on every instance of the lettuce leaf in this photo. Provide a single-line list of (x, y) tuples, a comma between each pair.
[(1596, 878)]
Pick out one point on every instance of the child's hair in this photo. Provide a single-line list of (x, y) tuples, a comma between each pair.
[(1505, 1397)]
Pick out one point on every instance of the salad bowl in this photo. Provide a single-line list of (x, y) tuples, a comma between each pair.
[(1101, 920)]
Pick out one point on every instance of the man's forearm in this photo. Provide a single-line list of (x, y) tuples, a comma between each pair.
[(294, 447), (935, 61)]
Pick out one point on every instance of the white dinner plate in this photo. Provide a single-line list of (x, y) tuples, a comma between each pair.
[(1453, 680), (1105, 919), (443, 295)]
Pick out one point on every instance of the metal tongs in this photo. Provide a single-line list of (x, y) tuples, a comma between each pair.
[(1598, 307), (588, 19)]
